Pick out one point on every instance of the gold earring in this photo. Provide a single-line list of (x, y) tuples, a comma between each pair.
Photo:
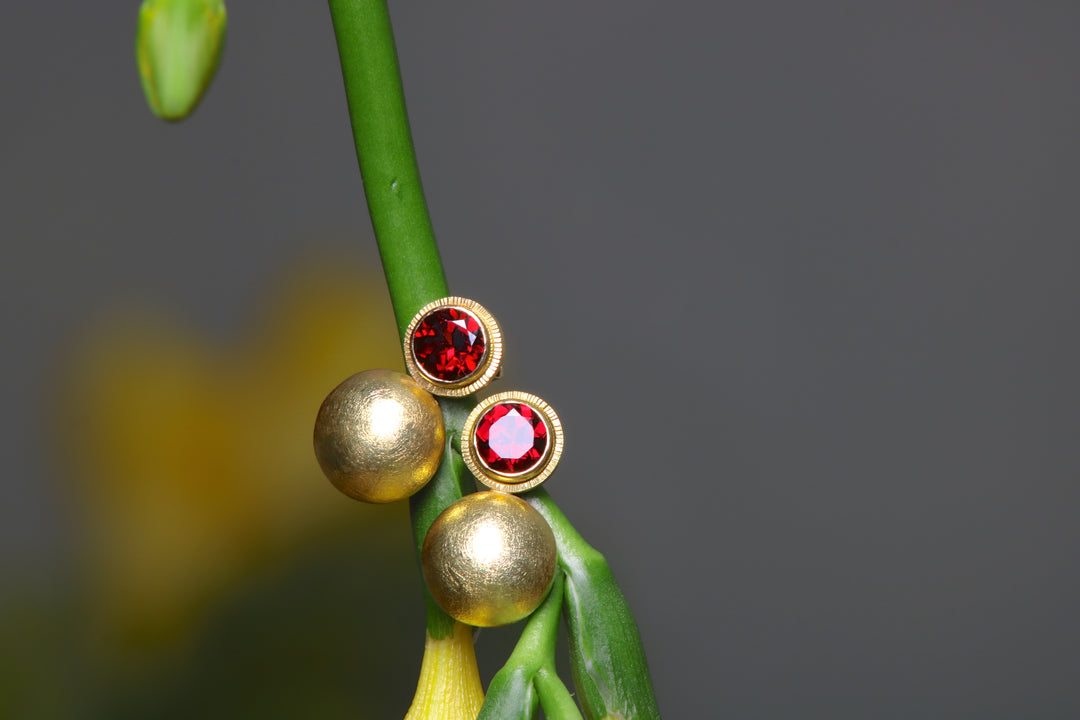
[(489, 559), (512, 441), (379, 436), (453, 347)]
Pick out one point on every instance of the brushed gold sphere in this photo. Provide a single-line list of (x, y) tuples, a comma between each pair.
[(379, 436), (489, 559)]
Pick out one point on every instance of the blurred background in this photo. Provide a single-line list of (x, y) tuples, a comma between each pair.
[(801, 280)]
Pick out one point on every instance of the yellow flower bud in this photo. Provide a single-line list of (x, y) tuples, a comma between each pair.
[(178, 46), (449, 686)]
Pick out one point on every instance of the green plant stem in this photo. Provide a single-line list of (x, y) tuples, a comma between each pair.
[(530, 670), (555, 698), (399, 217), (606, 651), (384, 147), (607, 657), (451, 482)]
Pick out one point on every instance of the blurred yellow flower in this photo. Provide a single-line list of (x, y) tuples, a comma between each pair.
[(449, 686), (194, 464)]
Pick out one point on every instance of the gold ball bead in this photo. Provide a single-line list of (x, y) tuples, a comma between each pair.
[(489, 559), (379, 436)]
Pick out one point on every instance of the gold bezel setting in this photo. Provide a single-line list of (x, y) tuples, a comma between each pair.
[(485, 371), (520, 481)]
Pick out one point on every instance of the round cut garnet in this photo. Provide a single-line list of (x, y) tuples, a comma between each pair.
[(448, 344), (511, 438)]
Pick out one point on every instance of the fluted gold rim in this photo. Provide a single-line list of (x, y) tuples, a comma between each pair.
[(475, 380), (513, 482)]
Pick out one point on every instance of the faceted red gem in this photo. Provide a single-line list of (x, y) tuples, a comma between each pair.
[(448, 344), (511, 438)]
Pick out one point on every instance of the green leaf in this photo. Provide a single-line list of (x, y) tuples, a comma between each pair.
[(178, 47)]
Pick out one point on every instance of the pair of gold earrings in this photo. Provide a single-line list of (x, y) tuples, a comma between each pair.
[(488, 559), (511, 441), (379, 435)]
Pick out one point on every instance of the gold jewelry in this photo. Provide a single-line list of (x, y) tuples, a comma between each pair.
[(512, 441), (489, 559), (379, 436), (453, 347)]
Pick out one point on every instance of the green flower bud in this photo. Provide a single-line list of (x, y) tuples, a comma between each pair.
[(606, 655), (178, 46)]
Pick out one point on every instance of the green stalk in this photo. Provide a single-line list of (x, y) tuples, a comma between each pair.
[(402, 225), (556, 700), (608, 660), (607, 657), (384, 148), (530, 673), (451, 482)]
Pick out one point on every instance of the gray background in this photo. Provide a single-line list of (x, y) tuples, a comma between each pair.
[(800, 279)]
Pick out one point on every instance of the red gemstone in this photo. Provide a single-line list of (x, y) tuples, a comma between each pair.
[(448, 344), (511, 438)]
